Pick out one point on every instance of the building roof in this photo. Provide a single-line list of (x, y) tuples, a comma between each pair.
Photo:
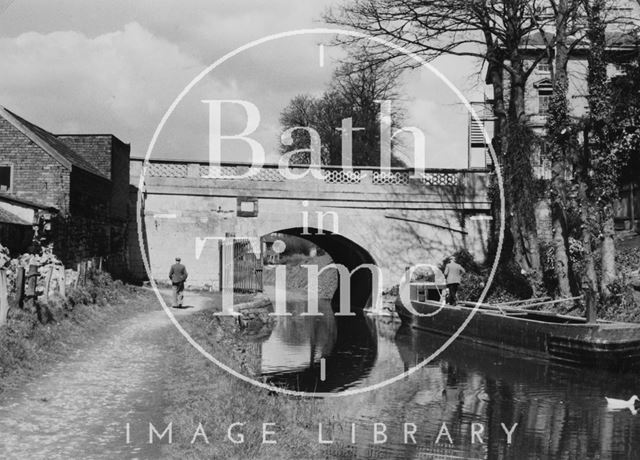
[(616, 41), (25, 203), (50, 143), (7, 217)]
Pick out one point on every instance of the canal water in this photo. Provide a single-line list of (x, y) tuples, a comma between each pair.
[(460, 405)]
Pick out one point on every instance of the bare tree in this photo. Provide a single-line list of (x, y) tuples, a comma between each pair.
[(355, 92), (493, 31)]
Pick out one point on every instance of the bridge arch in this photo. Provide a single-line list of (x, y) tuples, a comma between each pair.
[(394, 220), (343, 251)]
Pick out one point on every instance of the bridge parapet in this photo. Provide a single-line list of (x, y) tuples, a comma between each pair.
[(331, 174), (402, 187)]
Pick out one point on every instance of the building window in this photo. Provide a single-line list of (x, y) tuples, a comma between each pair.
[(544, 98), (543, 67), (6, 174)]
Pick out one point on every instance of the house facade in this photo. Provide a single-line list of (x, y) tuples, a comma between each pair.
[(622, 46), (82, 181)]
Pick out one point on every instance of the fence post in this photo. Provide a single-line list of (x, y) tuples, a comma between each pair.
[(4, 297), (30, 291), (62, 281), (82, 274), (20, 287), (590, 307)]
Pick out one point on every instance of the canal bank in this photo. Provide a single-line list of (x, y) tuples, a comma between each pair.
[(468, 402)]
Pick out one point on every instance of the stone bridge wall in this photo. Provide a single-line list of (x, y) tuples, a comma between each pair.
[(400, 224)]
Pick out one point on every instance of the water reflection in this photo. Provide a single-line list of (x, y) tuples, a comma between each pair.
[(292, 353), (560, 412)]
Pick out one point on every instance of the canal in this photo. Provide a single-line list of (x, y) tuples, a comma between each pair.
[(470, 402)]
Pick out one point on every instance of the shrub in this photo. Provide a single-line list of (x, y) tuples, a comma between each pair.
[(548, 279), (621, 305), (79, 295), (472, 286), (510, 279)]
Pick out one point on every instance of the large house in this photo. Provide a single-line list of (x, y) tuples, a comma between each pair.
[(622, 46), (68, 190)]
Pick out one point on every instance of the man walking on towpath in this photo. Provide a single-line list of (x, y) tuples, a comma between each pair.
[(178, 275), (453, 272)]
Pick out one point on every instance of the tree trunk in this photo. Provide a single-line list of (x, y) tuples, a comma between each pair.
[(605, 164), (558, 134), (525, 235), (499, 144), (588, 277), (608, 250), (561, 258)]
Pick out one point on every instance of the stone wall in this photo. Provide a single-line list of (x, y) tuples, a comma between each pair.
[(88, 230), (95, 148), (120, 152), (111, 156), (136, 271), (178, 225)]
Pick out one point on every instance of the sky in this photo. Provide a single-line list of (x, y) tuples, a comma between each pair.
[(116, 66)]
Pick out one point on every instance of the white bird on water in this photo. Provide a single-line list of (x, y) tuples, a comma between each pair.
[(619, 404)]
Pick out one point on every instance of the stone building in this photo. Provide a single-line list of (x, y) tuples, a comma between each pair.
[(81, 180), (622, 46)]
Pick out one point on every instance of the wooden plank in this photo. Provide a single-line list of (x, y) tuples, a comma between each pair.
[(47, 284), (4, 297), (488, 306), (514, 302)]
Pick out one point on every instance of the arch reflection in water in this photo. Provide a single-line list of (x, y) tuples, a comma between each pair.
[(291, 356)]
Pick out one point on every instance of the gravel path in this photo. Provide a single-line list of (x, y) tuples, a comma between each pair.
[(80, 407)]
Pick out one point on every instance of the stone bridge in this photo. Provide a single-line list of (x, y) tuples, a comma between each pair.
[(394, 218)]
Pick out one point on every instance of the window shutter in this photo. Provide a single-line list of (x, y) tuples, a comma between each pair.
[(476, 134)]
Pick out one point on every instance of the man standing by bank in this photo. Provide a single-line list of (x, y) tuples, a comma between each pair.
[(453, 272), (178, 275)]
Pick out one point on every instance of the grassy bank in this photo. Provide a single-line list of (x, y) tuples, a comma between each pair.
[(28, 347), (217, 399)]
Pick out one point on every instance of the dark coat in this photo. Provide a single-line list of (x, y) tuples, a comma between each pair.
[(178, 273)]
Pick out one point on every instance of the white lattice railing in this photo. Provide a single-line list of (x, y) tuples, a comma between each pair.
[(441, 178), (231, 172), (339, 176), (331, 175), (390, 178), (167, 170)]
